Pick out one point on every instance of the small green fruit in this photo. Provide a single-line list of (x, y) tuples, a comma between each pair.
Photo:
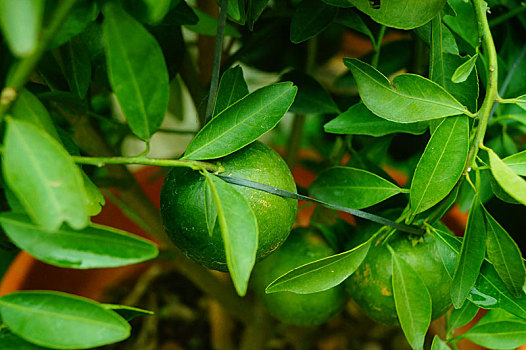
[(183, 210), (303, 246), (371, 285)]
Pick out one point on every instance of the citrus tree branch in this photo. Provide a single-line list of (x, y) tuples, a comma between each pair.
[(102, 161), (24, 67), (492, 85)]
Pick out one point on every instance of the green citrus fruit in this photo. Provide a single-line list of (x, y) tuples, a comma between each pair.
[(303, 246), (371, 285), (183, 211)]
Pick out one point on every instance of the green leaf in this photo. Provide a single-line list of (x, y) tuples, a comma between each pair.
[(127, 312), (207, 25), (243, 122), (464, 70), (409, 98), (517, 163), (358, 120), (29, 108), (310, 18), (136, 70), (311, 97), (79, 18), (439, 344), (9, 341), (350, 187), (210, 209), (76, 65), (93, 247), (254, 10), (441, 165), (412, 301), (61, 321), (20, 22), (49, 184), (510, 182), (239, 230), (236, 10), (499, 334), (471, 255), (350, 19), (401, 14), (464, 24), (460, 317), (94, 198), (505, 256), (521, 101), (321, 274), (339, 3), (489, 291), (443, 64), (151, 11), (232, 88)]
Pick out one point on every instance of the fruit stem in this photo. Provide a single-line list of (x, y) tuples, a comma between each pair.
[(480, 7), (24, 67), (193, 164)]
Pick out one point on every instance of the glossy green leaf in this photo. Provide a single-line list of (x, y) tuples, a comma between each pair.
[(352, 20), (94, 198), (127, 312), (49, 185), (94, 246), (61, 321), (239, 230), (499, 334), (311, 97), (489, 291), (232, 88), (29, 108), (459, 317), (464, 24), (464, 70), (441, 165), (351, 187), (243, 122), (358, 120), (439, 344), (310, 18), (512, 183), (321, 274), (409, 98), (79, 18), (444, 62), (517, 163), (207, 25), (401, 14), (20, 22), (412, 301), (10, 341), (505, 256), (471, 255), (76, 65), (136, 70)]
